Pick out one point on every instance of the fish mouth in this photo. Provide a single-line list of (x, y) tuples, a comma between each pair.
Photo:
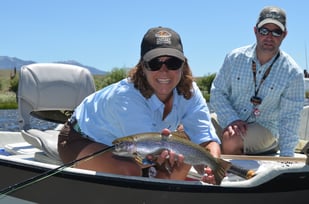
[(121, 154)]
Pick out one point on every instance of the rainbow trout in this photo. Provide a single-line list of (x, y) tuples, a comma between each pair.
[(140, 145)]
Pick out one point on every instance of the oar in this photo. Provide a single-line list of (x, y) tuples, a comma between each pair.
[(49, 173)]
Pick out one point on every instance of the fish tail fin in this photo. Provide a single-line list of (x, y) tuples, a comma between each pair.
[(221, 170)]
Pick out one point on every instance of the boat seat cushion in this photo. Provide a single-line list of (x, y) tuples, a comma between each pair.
[(44, 140)]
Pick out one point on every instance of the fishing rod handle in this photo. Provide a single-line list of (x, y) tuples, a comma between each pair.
[(242, 172)]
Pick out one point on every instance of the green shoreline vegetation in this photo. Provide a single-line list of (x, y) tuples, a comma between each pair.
[(9, 84), (7, 95), (8, 100)]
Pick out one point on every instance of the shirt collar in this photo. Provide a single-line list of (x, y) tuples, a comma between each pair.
[(252, 53), (155, 102)]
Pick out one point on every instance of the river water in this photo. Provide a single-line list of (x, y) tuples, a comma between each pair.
[(9, 121)]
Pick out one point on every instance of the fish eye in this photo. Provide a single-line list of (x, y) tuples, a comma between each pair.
[(118, 147)]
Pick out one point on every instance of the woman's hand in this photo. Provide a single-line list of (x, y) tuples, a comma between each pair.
[(214, 149), (209, 176), (167, 160)]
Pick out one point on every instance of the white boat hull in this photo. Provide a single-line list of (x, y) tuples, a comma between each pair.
[(278, 181), (84, 188)]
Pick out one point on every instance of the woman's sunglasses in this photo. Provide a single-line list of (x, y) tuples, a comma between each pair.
[(172, 63), (275, 33)]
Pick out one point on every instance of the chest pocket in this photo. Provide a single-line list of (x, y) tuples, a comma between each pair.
[(271, 89)]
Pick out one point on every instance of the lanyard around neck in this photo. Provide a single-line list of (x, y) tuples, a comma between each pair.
[(264, 76)]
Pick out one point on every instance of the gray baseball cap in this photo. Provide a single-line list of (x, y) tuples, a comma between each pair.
[(272, 14)]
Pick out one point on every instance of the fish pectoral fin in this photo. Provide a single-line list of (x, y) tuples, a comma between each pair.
[(200, 169), (149, 160), (138, 159), (143, 162)]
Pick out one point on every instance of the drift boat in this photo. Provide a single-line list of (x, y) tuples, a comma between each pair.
[(31, 171)]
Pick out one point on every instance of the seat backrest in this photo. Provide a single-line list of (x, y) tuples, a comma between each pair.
[(51, 87), (49, 91)]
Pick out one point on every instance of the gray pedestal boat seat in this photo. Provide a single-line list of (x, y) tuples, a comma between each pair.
[(50, 91)]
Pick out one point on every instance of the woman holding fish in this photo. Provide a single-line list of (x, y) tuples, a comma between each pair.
[(159, 93)]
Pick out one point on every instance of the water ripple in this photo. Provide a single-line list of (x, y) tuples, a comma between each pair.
[(9, 121)]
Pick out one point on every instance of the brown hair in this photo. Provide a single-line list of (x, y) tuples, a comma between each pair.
[(184, 87)]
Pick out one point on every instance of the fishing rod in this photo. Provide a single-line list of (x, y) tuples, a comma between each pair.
[(49, 173), (242, 172)]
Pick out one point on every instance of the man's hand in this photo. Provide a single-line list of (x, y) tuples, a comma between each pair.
[(237, 127)]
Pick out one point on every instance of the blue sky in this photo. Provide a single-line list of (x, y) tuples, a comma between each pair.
[(107, 34)]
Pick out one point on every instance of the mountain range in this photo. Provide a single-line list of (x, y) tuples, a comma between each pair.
[(13, 62)]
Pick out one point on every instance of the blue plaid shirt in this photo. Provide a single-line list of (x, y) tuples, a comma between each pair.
[(282, 94)]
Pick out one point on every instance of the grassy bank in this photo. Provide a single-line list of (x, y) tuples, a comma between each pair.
[(7, 98)]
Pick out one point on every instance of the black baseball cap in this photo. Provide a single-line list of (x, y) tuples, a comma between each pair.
[(161, 41), (272, 14)]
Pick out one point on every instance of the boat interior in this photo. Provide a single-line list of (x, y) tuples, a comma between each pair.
[(51, 91)]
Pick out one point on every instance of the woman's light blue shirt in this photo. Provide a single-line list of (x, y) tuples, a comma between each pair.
[(120, 110)]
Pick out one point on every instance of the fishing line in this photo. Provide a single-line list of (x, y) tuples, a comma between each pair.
[(49, 173)]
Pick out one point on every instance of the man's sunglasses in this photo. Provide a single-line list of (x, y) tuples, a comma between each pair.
[(275, 33), (172, 63)]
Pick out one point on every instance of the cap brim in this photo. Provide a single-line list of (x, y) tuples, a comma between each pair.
[(270, 20), (162, 52)]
